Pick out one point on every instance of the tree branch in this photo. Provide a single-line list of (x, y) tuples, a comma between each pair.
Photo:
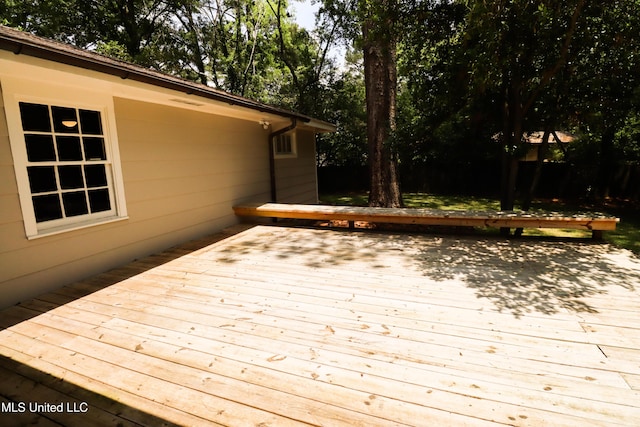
[(283, 50), (560, 63)]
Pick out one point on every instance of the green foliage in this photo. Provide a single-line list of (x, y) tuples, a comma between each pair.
[(628, 139), (246, 47), (345, 100), (465, 68), (420, 200), (439, 123), (475, 69), (626, 235), (113, 49)]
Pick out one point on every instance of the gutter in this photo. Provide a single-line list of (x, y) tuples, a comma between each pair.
[(272, 160)]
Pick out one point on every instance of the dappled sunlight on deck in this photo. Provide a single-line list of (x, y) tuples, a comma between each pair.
[(521, 276), (516, 275), (298, 326)]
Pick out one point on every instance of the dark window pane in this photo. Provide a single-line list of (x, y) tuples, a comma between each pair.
[(35, 117), (64, 120), (94, 148), (283, 144), (90, 122), (47, 207), (40, 148), (69, 148), (96, 176), (70, 177), (75, 203), (42, 179), (99, 200)]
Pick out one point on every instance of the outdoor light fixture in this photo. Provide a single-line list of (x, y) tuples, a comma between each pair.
[(69, 123), (265, 124)]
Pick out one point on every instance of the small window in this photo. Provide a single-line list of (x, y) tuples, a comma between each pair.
[(67, 165), (285, 146)]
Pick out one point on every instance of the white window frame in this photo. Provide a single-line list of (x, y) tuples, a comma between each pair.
[(14, 91), (278, 154)]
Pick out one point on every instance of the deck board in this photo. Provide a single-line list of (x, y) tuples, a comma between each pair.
[(296, 326)]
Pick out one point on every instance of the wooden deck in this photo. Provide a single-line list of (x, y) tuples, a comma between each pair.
[(282, 326)]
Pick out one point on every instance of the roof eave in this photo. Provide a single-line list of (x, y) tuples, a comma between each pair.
[(31, 46)]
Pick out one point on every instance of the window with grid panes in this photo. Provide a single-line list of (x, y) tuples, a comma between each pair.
[(67, 165), (285, 145)]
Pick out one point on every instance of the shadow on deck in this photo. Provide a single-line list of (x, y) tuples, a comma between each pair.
[(529, 274)]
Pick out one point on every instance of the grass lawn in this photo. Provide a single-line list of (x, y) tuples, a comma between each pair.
[(626, 235)]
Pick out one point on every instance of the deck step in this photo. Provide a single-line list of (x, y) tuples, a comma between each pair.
[(512, 219)]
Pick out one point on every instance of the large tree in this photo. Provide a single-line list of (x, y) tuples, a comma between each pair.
[(381, 85), (607, 82), (134, 25), (373, 25), (509, 67), (247, 47), (515, 49)]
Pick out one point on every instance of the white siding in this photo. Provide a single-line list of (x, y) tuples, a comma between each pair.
[(182, 172), (296, 177)]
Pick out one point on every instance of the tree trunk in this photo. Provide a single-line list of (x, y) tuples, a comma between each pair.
[(607, 162), (542, 153), (190, 25), (510, 166), (132, 27), (512, 118), (381, 86)]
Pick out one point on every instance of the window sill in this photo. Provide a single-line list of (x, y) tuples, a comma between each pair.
[(79, 226)]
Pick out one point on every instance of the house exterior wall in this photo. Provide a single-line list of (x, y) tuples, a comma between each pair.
[(187, 169), (179, 164), (182, 173), (296, 178)]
